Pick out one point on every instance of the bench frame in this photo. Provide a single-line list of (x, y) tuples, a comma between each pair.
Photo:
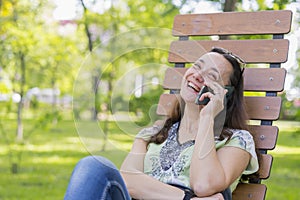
[(269, 80)]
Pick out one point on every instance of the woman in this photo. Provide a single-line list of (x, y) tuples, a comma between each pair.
[(188, 156)]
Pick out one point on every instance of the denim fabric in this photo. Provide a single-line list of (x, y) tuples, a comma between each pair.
[(227, 194), (96, 178)]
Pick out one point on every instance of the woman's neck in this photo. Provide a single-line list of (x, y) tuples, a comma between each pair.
[(190, 119)]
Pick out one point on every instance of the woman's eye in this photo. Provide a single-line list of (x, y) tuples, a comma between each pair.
[(213, 77), (196, 66)]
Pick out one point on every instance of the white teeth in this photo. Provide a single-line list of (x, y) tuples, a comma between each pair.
[(190, 84)]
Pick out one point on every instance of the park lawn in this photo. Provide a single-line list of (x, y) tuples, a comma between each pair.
[(48, 158), (285, 174), (46, 162)]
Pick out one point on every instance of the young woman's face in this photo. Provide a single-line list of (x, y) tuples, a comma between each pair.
[(211, 67)]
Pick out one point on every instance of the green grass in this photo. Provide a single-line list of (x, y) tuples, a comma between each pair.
[(285, 174), (49, 156)]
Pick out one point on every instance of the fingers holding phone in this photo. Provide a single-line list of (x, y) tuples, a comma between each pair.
[(207, 92), (201, 99), (217, 97)]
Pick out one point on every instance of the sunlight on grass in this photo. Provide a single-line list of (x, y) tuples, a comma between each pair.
[(3, 150), (49, 157), (123, 142), (71, 144), (283, 150), (56, 159), (121, 145)]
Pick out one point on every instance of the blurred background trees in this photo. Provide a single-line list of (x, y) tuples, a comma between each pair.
[(101, 51)]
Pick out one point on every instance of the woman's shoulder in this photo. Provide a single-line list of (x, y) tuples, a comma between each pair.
[(242, 139), (148, 132), (241, 133)]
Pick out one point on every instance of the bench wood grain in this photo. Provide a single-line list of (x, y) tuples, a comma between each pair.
[(233, 23), (258, 108), (251, 51), (255, 79), (249, 191)]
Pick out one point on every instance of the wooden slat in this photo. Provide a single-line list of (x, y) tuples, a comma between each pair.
[(265, 137), (262, 22), (263, 108), (251, 51), (173, 78), (255, 79), (264, 79), (258, 108), (249, 191), (166, 103), (265, 165)]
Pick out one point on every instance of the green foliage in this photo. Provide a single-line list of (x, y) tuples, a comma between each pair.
[(290, 111), (146, 106), (52, 59), (47, 54)]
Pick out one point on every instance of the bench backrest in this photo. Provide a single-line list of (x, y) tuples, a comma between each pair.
[(270, 79)]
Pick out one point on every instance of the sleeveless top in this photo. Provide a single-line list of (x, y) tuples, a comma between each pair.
[(169, 162)]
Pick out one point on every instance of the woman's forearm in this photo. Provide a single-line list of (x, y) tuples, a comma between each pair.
[(206, 173), (142, 186)]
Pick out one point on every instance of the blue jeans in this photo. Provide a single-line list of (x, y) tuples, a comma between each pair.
[(96, 178)]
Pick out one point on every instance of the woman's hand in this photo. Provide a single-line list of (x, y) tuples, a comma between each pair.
[(216, 103), (217, 196)]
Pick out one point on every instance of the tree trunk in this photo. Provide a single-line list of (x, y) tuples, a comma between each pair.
[(108, 110), (94, 110), (20, 104), (86, 28), (229, 5), (54, 97)]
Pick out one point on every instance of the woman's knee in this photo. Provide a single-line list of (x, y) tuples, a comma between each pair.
[(95, 165), (98, 174)]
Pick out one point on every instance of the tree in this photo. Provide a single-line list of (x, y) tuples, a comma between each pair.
[(104, 30), (34, 55)]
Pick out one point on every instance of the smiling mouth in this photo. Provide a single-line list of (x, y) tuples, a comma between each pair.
[(193, 86)]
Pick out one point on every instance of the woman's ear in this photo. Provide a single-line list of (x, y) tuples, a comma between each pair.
[(230, 90)]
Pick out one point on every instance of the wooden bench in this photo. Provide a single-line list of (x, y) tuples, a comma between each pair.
[(270, 80)]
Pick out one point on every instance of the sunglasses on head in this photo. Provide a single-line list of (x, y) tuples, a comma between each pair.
[(232, 55)]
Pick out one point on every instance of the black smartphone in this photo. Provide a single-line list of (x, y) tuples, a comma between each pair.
[(205, 89), (205, 101)]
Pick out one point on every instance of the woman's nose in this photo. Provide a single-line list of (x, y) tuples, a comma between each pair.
[(198, 77)]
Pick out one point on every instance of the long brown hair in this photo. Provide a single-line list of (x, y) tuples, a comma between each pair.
[(175, 116), (235, 113), (236, 116)]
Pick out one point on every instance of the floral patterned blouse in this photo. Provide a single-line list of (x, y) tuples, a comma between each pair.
[(169, 162)]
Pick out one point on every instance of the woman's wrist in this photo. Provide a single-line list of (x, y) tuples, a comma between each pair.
[(188, 194)]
